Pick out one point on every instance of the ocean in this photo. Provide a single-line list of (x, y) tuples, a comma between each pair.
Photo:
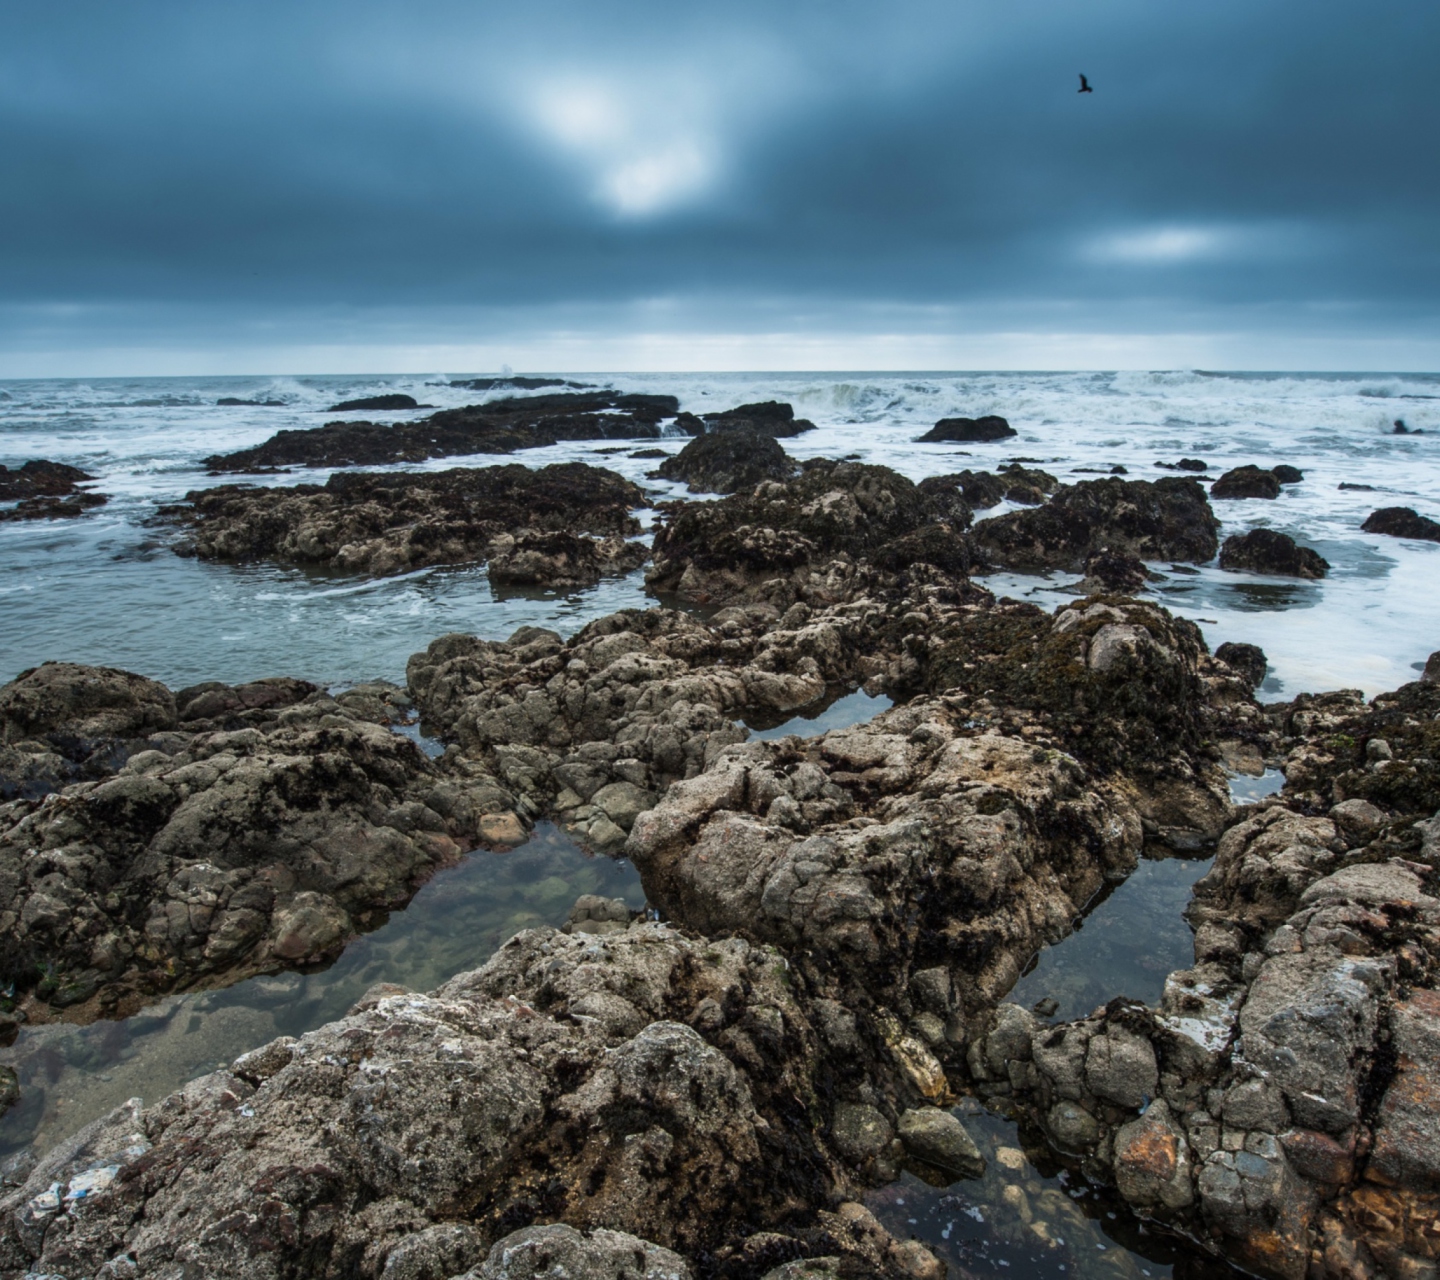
[(107, 589)]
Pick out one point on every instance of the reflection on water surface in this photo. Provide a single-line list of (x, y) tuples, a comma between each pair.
[(70, 1075)]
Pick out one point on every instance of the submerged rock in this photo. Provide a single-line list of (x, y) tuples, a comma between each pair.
[(392, 523), (46, 490), (222, 831), (499, 426), (1402, 522), (1269, 551), (1167, 519), (728, 461)]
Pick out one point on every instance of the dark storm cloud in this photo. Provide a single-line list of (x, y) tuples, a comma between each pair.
[(244, 157)]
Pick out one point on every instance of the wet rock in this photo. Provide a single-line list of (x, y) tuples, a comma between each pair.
[(560, 560), (1402, 522), (728, 461), (556, 1251), (768, 417), (396, 522), (1358, 821), (1167, 519), (989, 427), (1269, 551), (45, 490), (499, 426), (1120, 573), (861, 1133), (1152, 1160), (1406, 1151), (798, 540), (426, 1125), (1287, 474), (1246, 482), (1120, 1067), (936, 1137), (1247, 659), (882, 807), (979, 489), (9, 1089), (1432, 669), (1254, 1199), (393, 401), (257, 827)]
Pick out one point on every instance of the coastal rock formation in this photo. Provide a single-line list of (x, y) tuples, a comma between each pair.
[(989, 427), (912, 843), (643, 1083), (46, 490), (1114, 573), (1167, 519), (1276, 1104), (1247, 659), (499, 426), (1246, 482), (768, 417), (981, 489), (727, 461), (157, 839), (1402, 522), (1269, 551), (394, 401), (362, 522), (787, 542)]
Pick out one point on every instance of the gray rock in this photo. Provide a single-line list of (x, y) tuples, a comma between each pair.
[(558, 1252), (1358, 820), (1074, 1128), (1152, 1160), (1120, 1067), (860, 1132), (937, 1138)]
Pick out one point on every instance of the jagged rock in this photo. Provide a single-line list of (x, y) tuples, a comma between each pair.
[(989, 427), (252, 828), (770, 542), (1246, 482), (46, 490), (768, 417), (728, 461), (1117, 572), (560, 560), (1152, 1160), (396, 522), (770, 841), (1268, 551), (424, 1126), (1167, 519), (1402, 522)]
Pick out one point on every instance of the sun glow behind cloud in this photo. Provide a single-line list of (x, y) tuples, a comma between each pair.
[(643, 156), (1160, 246)]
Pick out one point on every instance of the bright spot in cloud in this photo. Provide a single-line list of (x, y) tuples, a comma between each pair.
[(1160, 245), (645, 158)]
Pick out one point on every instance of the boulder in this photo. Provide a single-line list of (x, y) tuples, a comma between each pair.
[(1247, 659), (392, 401), (45, 490), (1269, 551), (768, 417), (1246, 482), (559, 1252), (76, 701), (936, 1137), (1402, 522), (971, 430), (727, 461)]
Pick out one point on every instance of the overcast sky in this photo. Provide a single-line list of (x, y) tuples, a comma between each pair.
[(243, 186)]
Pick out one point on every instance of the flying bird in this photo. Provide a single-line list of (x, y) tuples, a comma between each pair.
[(1084, 85)]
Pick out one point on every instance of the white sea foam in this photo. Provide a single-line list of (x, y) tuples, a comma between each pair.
[(100, 588)]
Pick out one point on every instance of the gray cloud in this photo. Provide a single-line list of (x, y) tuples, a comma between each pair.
[(239, 162)]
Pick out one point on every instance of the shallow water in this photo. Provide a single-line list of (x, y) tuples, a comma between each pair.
[(72, 1075), (1129, 938), (1027, 1218), (1246, 790), (837, 712)]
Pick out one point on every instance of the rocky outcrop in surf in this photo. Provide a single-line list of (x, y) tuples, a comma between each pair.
[(728, 461), (968, 430), (561, 525), (1269, 551), (46, 491), (1402, 522), (802, 540), (1167, 519), (498, 426)]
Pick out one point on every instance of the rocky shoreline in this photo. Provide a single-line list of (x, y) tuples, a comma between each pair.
[(711, 1093)]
